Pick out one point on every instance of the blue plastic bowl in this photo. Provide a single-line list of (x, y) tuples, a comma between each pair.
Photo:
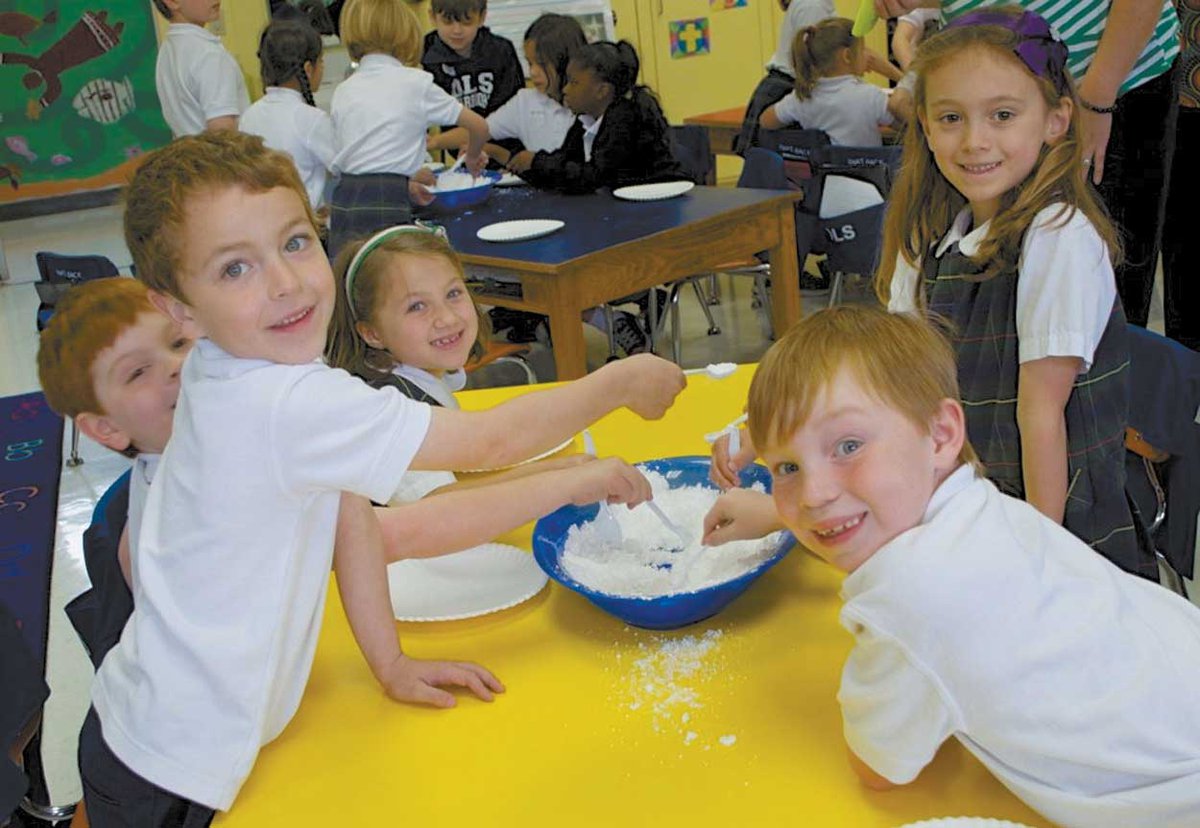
[(665, 612), (454, 200)]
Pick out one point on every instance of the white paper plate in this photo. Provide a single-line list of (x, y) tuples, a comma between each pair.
[(965, 822), (508, 179), (654, 192), (533, 459), (476, 581), (519, 230)]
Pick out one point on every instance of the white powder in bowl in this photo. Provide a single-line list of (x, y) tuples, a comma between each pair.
[(449, 181), (645, 565)]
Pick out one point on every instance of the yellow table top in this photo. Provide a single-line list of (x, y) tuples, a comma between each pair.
[(585, 734)]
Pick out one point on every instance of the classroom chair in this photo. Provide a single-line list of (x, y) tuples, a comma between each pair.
[(1162, 460), (850, 234), (504, 353), (56, 275)]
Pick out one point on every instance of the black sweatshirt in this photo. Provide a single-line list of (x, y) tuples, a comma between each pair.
[(485, 79)]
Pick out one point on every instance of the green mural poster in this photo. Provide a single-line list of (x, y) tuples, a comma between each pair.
[(77, 97)]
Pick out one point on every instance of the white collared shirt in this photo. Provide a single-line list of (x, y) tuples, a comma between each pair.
[(1065, 291), (381, 114), (197, 79), (1072, 681), (847, 107), (140, 478), (233, 561), (590, 127), (538, 121), (287, 123)]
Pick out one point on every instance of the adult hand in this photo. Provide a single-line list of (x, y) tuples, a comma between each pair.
[(1094, 131)]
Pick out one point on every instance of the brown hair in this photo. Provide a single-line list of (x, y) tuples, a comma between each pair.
[(88, 319), (345, 347), (458, 10), (158, 194), (386, 26), (814, 49), (899, 359), (923, 203)]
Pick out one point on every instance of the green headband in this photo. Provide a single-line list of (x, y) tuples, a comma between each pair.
[(374, 242)]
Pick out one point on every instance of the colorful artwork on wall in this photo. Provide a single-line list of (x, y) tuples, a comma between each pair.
[(77, 95), (690, 37), (721, 5)]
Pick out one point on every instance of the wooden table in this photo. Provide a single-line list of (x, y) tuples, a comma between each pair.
[(611, 248), (723, 128), (578, 739)]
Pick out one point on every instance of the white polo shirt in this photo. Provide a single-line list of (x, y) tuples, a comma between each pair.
[(287, 123), (1072, 681), (197, 79), (1066, 288), (536, 120), (380, 116), (847, 107), (141, 475), (799, 14), (233, 561)]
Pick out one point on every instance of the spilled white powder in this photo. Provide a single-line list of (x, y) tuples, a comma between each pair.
[(666, 676), (449, 181), (727, 740), (644, 565)]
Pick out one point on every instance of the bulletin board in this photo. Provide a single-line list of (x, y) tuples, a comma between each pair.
[(78, 102), (510, 19)]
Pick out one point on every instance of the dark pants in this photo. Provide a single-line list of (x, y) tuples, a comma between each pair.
[(1137, 165), (1181, 289), (116, 797), (770, 90)]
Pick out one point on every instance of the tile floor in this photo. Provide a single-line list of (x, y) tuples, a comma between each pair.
[(99, 231)]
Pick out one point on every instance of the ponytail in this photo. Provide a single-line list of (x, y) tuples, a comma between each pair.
[(617, 64), (814, 49), (283, 49)]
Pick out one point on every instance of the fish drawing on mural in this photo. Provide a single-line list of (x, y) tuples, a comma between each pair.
[(21, 26), (20, 146), (87, 40), (58, 159), (104, 100)]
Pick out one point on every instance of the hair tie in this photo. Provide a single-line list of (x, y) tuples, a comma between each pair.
[(370, 245), (1038, 46)]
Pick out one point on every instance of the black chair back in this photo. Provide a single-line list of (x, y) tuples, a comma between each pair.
[(852, 240), (58, 274), (692, 150)]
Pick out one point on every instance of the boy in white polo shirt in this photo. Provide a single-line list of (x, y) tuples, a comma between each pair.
[(973, 615), (238, 531), (200, 85)]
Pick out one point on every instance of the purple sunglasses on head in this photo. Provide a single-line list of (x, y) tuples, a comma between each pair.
[(1037, 45)]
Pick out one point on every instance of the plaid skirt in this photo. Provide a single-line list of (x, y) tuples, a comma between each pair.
[(365, 204)]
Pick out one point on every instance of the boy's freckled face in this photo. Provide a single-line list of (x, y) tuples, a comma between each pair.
[(255, 276), (459, 35), (136, 380), (855, 475)]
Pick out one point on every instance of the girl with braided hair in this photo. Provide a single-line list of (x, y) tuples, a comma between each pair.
[(286, 116)]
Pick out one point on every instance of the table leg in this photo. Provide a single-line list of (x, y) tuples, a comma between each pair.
[(785, 273), (566, 332)]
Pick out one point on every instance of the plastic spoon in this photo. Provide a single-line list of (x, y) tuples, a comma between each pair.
[(683, 536), (606, 522)]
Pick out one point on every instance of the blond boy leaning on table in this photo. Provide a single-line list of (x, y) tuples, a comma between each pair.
[(974, 616), (238, 532)]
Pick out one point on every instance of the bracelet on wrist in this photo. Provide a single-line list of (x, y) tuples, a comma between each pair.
[(1099, 110)]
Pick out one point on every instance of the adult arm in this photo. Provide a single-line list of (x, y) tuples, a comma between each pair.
[(1044, 387), (1127, 30)]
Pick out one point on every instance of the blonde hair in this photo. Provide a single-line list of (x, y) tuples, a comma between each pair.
[(815, 48), (86, 321), (899, 359), (157, 197), (373, 277), (389, 27), (923, 204)]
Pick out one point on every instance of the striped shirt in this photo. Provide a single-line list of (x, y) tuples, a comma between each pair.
[(1080, 23)]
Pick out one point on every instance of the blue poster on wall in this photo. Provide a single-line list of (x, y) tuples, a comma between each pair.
[(77, 96)]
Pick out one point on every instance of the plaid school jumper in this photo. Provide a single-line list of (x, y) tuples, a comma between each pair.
[(362, 205), (983, 330)]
